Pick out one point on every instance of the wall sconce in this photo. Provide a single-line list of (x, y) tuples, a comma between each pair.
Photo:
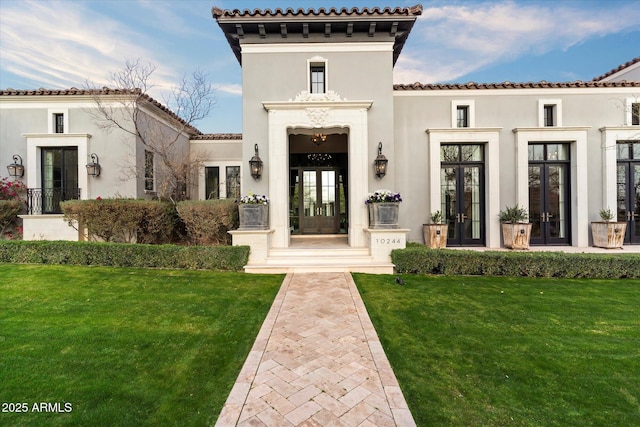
[(16, 170), (93, 168), (255, 164), (380, 163)]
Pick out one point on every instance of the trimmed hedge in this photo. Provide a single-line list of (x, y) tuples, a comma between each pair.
[(229, 258), (123, 220), (422, 260), (208, 221)]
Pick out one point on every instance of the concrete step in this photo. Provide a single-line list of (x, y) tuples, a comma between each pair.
[(283, 269)]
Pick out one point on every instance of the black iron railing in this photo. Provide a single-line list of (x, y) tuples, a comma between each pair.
[(47, 200)]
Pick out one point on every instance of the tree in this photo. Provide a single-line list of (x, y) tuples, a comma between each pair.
[(129, 108)]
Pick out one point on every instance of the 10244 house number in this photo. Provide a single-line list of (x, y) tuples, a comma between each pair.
[(388, 241)]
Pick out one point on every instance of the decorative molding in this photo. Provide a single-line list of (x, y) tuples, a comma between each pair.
[(329, 96), (317, 116)]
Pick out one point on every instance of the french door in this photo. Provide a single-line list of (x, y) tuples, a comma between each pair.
[(59, 177), (549, 204), (628, 191), (462, 193), (316, 201)]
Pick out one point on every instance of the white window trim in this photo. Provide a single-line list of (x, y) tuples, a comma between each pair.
[(558, 112), (491, 138), (222, 165), (576, 136), (318, 60), (471, 104), (51, 120), (628, 120)]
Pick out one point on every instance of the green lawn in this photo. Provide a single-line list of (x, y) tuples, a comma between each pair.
[(124, 347), (472, 351)]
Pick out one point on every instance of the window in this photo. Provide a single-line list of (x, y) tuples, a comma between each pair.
[(635, 113), (233, 182), (462, 116), (229, 188), (58, 123), (549, 115), (317, 78), (148, 171), (212, 182)]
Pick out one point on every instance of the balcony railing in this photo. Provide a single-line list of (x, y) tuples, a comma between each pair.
[(47, 200)]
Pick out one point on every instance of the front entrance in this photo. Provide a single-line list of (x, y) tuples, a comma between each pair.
[(462, 193), (549, 203), (318, 184), (628, 191), (316, 198), (59, 178)]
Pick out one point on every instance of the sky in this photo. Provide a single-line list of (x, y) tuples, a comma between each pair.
[(61, 44)]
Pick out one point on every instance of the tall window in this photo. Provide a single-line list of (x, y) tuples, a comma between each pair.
[(462, 112), (635, 113), (549, 115), (58, 123), (148, 171), (212, 182), (233, 182), (229, 188), (317, 79)]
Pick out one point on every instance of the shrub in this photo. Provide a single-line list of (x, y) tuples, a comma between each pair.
[(422, 260), (122, 220), (229, 258), (208, 221), (9, 211), (12, 204)]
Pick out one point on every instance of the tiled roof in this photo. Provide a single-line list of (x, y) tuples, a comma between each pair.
[(332, 25), (218, 137), (617, 69), (511, 85), (406, 11), (104, 91)]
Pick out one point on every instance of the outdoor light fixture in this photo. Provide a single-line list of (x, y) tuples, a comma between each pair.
[(318, 138), (16, 170), (93, 168), (255, 164), (380, 163)]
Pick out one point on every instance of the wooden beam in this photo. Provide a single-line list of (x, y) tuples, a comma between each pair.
[(262, 31), (372, 29), (349, 29), (394, 29), (239, 31), (305, 30), (283, 30), (327, 29)]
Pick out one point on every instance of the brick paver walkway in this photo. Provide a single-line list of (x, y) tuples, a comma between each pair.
[(317, 361)]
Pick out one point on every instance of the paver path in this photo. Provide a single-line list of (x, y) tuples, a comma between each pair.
[(317, 361)]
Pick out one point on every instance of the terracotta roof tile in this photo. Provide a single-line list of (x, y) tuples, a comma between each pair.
[(617, 69), (511, 85), (407, 11), (218, 137), (104, 91)]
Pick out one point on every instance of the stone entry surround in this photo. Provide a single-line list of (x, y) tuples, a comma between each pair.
[(317, 361)]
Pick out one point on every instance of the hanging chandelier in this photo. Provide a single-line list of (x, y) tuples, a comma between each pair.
[(318, 138)]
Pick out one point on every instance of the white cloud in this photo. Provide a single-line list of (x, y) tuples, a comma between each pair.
[(64, 49), (455, 40), (232, 89)]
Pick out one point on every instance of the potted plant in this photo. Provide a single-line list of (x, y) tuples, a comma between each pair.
[(253, 210), (516, 228), (384, 208), (607, 233), (435, 233)]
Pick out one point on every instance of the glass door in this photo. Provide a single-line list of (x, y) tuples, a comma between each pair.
[(628, 191), (462, 193), (59, 177), (549, 207), (317, 198)]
